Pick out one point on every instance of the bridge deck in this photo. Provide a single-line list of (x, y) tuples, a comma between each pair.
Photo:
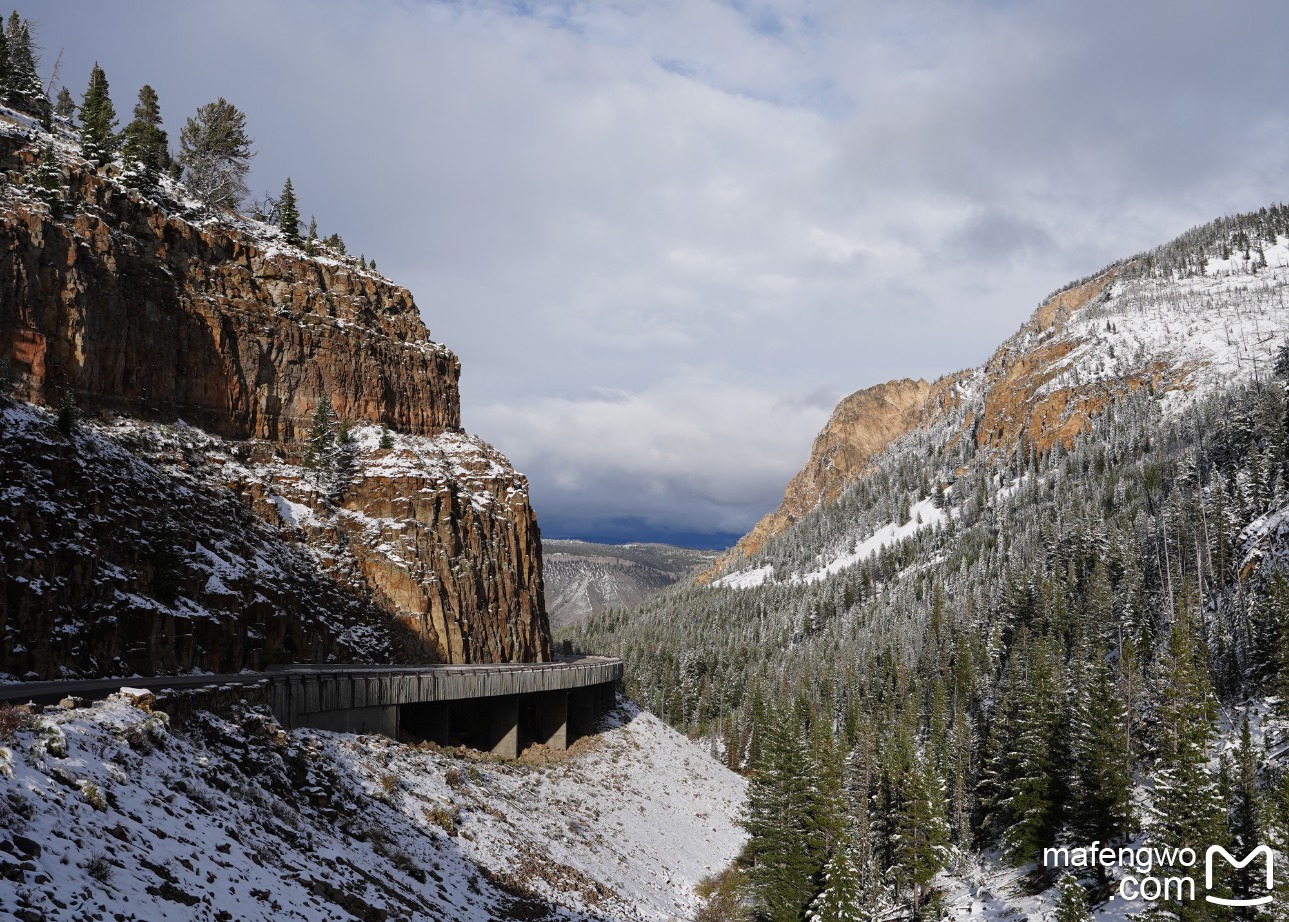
[(497, 708), (408, 683)]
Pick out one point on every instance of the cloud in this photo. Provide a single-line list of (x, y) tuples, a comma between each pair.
[(688, 454), (649, 224)]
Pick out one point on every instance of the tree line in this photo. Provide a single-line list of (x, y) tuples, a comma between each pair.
[(212, 161)]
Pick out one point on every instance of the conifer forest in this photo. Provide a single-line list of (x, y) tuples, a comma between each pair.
[(1052, 662)]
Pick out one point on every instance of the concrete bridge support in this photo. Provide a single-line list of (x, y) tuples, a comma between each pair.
[(587, 705), (428, 720), (503, 726), (550, 719)]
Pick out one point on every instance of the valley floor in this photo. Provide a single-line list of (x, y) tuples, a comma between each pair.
[(107, 814)]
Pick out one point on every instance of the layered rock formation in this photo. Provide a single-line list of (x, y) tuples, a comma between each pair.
[(198, 348), (1082, 349), (149, 313)]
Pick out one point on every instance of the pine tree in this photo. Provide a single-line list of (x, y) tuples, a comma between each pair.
[(1033, 810), (1245, 814), (98, 121), (4, 66), (289, 214), (320, 444), (65, 108), (922, 834), (386, 438), (147, 147), (847, 890), (1101, 776), (1071, 901), (215, 153), (311, 242), (1187, 807), (24, 91), (778, 822)]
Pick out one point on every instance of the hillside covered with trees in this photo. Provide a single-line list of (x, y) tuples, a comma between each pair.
[(976, 653)]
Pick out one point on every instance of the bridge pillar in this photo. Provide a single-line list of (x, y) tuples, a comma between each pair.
[(429, 720), (582, 707), (551, 724), (503, 726)]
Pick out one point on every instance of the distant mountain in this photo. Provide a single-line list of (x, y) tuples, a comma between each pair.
[(584, 578), (1192, 317)]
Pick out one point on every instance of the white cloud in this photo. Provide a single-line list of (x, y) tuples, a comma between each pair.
[(594, 199), (690, 453)]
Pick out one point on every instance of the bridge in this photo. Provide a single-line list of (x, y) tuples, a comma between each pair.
[(499, 708)]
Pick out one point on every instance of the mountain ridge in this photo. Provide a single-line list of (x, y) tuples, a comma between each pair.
[(1018, 400)]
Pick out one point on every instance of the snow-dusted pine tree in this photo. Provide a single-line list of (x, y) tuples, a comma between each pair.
[(98, 121), (848, 887), (216, 152), (1071, 901), (289, 214)]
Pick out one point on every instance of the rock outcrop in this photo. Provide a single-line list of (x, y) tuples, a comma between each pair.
[(1085, 347), (861, 427), (149, 313), (198, 348)]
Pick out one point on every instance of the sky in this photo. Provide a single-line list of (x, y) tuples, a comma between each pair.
[(665, 237)]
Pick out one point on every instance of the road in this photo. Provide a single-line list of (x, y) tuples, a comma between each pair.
[(51, 692)]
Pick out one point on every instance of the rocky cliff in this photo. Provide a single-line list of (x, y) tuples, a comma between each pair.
[(173, 313), (1136, 325), (861, 427), (182, 523)]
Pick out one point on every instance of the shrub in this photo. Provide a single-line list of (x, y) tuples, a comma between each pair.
[(99, 868), (93, 795), (444, 818), (13, 719)]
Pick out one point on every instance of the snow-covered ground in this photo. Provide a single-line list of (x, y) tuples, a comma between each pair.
[(1217, 329), (923, 514), (106, 814)]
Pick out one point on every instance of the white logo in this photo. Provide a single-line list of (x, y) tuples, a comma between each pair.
[(1231, 860)]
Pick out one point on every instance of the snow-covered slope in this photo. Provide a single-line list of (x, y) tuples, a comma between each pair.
[(106, 814), (582, 578), (1182, 330), (219, 554)]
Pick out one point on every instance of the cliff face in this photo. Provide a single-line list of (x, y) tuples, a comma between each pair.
[(438, 531), (861, 427), (147, 313), (421, 543), (1081, 350)]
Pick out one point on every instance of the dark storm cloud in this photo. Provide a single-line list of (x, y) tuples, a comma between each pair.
[(646, 226)]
